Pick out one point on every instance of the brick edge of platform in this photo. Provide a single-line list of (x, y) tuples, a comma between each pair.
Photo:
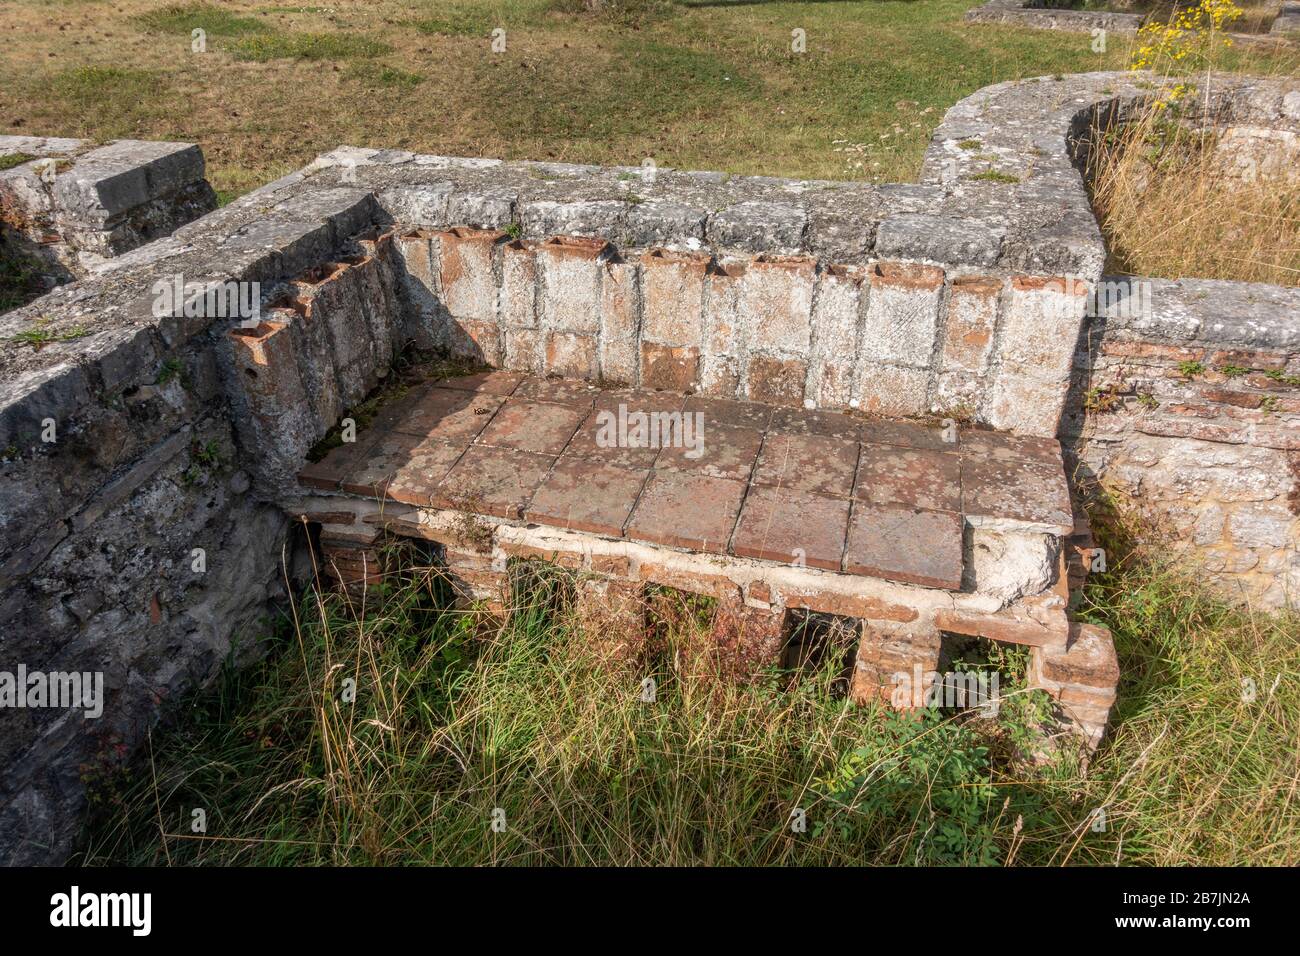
[(901, 625)]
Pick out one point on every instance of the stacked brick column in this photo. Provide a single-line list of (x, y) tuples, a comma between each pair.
[(895, 664)]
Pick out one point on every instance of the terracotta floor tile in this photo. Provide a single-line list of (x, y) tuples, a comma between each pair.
[(543, 428), (639, 400), (909, 434), (1004, 478), (493, 481), (808, 463), (598, 439), (777, 524), (330, 470), (906, 545), (587, 496), (417, 481), (685, 510), (719, 451), (565, 391), (914, 477), (448, 414), (727, 411), (495, 382), (802, 421), (374, 466)]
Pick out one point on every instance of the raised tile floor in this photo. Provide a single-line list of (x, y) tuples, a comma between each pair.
[(883, 498)]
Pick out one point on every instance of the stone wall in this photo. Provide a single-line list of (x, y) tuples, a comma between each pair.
[(1047, 15), (1193, 413), (132, 543), (74, 204), (136, 434)]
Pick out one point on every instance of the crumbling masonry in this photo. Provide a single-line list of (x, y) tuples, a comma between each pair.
[(885, 375)]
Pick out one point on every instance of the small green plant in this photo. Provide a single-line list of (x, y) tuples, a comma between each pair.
[(40, 337), (173, 369), (1190, 369), (1102, 400), (10, 160), (514, 230), (969, 144), (995, 176), (1277, 375), (1148, 400), (1233, 371)]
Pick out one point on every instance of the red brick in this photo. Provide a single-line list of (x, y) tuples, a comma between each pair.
[(687, 511), (808, 463), (777, 381), (670, 368), (613, 565), (1249, 358), (587, 496), (1008, 627), (908, 275), (1150, 350), (778, 524), (849, 605)]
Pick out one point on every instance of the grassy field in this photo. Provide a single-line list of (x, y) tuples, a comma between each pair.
[(469, 742), (702, 85)]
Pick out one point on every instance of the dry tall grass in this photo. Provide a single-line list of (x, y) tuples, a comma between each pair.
[(1173, 204)]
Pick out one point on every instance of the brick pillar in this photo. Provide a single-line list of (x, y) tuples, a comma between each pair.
[(1081, 677), (611, 616), (353, 562), (744, 640), (895, 664), (476, 578)]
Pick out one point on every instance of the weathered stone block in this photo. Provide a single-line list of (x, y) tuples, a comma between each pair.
[(1042, 323), (672, 288), (890, 390), (776, 301), (465, 272), (776, 381), (476, 341), (620, 296), (972, 316), (571, 355), (525, 350), (836, 317), (902, 314), (571, 269), (518, 296)]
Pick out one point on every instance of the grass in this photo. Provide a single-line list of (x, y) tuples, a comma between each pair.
[(708, 87), (397, 731), (307, 46), (1170, 206), (213, 20)]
